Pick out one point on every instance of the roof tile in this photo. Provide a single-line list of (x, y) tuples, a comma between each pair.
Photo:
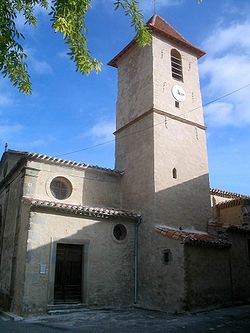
[(192, 237), (159, 25), (81, 210), (60, 161), (227, 194)]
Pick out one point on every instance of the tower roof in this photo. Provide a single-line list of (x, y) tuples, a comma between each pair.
[(159, 25)]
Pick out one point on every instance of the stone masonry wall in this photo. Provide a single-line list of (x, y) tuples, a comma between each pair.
[(135, 85), (108, 263), (207, 277), (184, 200), (163, 82), (230, 215), (240, 263), (147, 151), (10, 200), (92, 187)]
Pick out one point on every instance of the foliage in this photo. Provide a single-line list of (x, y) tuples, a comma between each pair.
[(130, 7), (67, 17), (12, 56)]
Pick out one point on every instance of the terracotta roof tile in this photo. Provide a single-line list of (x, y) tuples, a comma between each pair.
[(227, 194), (191, 237), (81, 210), (60, 161), (159, 25)]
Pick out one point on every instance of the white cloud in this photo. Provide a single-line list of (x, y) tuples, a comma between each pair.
[(31, 145), (40, 66), (219, 114), (5, 100), (231, 39), (102, 131), (226, 68), (63, 54)]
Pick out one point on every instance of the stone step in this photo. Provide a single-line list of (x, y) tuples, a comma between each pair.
[(57, 309)]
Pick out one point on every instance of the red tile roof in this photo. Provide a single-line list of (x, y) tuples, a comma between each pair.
[(191, 237), (227, 194), (61, 161), (81, 210), (158, 25)]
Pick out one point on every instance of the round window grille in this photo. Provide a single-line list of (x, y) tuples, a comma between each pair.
[(61, 188), (120, 232)]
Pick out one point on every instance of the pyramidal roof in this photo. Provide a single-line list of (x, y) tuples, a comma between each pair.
[(158, 25)]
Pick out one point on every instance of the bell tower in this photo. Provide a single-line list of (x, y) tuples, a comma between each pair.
[(161, 146)]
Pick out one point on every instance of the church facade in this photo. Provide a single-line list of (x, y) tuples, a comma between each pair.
[(150, 232)]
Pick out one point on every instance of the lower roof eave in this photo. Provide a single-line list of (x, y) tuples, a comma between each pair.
[(84, 211)]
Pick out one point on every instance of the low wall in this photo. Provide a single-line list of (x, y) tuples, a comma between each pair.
[(207, 279)]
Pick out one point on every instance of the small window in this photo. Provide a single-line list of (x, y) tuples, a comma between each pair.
[(177, 104), (120, 232), (61, 188), (176, 65), (174, 171), (167, 256)]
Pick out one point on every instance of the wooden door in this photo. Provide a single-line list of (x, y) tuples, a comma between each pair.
[(68, 275)]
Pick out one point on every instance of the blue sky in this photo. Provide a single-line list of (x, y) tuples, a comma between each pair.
[(68, 112)]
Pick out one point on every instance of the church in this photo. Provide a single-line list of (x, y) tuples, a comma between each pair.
[(149, 233)]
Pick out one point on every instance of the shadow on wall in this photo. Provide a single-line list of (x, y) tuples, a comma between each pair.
[(196, 277), (184, 204), (74, 259), (190, 280)]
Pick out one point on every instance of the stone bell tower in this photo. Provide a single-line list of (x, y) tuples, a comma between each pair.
[(161, 146)]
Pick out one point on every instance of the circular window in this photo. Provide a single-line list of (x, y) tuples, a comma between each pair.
[(120, 232), (61, 188)]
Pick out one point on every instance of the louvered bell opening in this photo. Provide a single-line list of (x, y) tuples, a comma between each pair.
[(176, 65)]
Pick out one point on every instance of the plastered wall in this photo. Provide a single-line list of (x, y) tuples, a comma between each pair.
[(240, 263), (163, 82), (10, 200), (135, 85), (207, 277), (89, 187), (107, 263)]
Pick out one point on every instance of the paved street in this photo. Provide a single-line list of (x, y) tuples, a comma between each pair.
[(230, 320)]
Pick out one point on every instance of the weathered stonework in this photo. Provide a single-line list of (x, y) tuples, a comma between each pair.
[(176, 241)]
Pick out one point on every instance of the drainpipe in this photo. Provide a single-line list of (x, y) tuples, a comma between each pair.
[(231, 277), (136, 248)]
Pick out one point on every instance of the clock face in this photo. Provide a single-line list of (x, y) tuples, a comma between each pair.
[(179, 93)]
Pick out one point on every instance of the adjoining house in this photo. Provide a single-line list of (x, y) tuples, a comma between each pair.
[(144, 233)]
